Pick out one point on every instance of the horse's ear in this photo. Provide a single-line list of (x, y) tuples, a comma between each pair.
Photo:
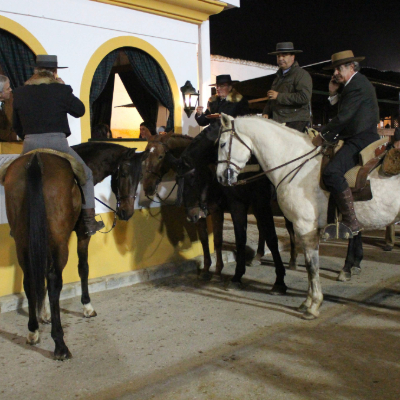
[(131, 153), (226, 121), (165, 137)]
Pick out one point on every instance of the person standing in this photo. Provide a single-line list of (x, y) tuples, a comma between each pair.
[(6, 109), (355, 124), (40, 118), (289, 100)]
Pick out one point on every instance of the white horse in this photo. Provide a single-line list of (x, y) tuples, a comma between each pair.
[(301, 200)]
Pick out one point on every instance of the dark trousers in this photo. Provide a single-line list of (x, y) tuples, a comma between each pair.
[(345, 159)]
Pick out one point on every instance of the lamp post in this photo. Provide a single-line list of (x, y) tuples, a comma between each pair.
[(190, 98)]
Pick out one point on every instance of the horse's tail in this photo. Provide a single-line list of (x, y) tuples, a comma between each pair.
[(38, 232)]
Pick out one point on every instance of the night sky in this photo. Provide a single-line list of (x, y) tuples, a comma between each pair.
[(318, 27)]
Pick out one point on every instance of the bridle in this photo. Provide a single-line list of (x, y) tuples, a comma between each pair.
[(229, 171)]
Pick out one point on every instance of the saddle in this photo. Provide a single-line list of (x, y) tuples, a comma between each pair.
[(370, 158), (76, 166)]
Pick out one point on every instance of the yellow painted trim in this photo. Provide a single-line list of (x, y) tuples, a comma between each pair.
[(106, 48), (193, 11), (18, 30)]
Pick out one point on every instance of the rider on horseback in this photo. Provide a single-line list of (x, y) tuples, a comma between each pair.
[(40, 119), (355, 124), (227, 101)]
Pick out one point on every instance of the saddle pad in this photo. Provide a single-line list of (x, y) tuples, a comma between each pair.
[(373, 150), (76, 166), (351, 176)]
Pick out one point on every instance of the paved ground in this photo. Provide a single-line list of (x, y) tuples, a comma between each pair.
[(181, 338)]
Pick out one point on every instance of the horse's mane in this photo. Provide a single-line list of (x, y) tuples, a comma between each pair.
[(179, 135), (271, 121)]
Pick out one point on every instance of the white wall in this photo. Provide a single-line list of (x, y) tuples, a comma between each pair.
[(240, 70), (75, 29)]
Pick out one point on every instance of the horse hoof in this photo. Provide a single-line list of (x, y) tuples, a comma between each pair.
[(89, 311), (33, 338), (309, 316), (293, 265), (235, 285), (278, 290), (62, 355), (216, 278), (255, 261), (344, 276), (206, 275), (355, 271)]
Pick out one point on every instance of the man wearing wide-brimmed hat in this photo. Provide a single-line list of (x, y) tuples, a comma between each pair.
[(228, 101), (40, 118), (290, 95), (355, 124)]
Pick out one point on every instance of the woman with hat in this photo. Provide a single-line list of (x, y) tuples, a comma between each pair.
[(228, 101), (40, 118), (355, 124)]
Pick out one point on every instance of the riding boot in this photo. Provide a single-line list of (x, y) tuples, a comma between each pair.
[(344, 202), (91, 225)]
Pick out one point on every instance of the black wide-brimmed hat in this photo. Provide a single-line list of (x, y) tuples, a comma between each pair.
[(285, 47), (343, 57), (223, 79), (46, 61)]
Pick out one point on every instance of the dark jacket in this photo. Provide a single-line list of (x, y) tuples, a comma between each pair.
[(42, 105), (358, 112), (293, 101), (234, 104), (6, 132)]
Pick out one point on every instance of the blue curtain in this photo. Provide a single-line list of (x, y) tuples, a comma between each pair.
[(100, 78), (152, 78), (16, 59)]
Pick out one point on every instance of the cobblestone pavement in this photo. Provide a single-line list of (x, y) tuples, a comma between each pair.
[(183, 338)]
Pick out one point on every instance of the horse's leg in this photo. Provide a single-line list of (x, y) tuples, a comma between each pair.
[(83, 269), (293, 250), (260, 248), (33, 325), (314, 298), (218, 227), (201, 225), (54, 283), (358, 255), (345, 273), (238, 212)]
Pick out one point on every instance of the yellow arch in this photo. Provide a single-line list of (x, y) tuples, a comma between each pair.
[(20, 32), (101, 52)]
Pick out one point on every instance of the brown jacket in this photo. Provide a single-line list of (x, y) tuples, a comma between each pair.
[(293, 101), (6, 132)]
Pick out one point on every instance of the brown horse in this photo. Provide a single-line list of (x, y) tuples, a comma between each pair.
[(104, 159), (155, 165), (43, 203)]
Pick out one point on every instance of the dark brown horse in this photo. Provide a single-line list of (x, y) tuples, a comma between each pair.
[(43, 205), (156, 164)]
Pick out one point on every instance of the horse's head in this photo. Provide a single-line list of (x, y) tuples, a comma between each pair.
[(155, 163), (233, 153), (124, 183), (193, 186)]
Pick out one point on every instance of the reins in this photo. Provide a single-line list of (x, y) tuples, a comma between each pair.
[(260, 175)]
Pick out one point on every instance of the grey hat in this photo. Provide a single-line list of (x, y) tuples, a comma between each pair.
[(46, 61), (285, 47)]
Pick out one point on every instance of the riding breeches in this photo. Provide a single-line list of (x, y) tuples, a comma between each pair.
[(58, 141), (345, 159)]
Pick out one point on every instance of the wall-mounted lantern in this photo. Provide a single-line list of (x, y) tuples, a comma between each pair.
[(190, 98)]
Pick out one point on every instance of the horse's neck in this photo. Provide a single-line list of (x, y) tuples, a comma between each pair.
[(275, 145), (176, 145)]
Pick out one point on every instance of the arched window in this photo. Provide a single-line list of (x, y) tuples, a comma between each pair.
[(147, 90)]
